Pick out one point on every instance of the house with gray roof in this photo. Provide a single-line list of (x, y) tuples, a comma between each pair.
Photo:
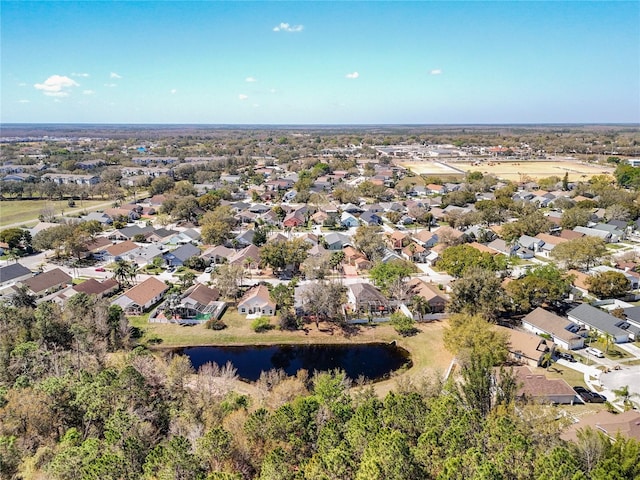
[(563, 332), (593, 232), (601, 322), (178, 256), (13, 273)]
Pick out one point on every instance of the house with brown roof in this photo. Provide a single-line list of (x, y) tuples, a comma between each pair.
[(47, 282), (539, 389), (198, 304), (570, 234), (119, 250), (561, 330), (365, 298), (626, 424), (141, 297), (398, 240), (217, 254), (247, 254), (426, 238), (94, 287), (527, 348), (257, 301), (436, 299)]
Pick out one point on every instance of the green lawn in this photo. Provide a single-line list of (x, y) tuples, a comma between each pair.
[(27, 211)]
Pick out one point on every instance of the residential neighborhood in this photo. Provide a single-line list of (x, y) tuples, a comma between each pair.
[(327, 244)]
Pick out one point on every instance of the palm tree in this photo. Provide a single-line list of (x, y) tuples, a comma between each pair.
[(124, 273), (608, 341), (420, 305), (625, 395)]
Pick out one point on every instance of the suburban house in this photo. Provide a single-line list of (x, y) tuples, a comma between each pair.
[(248, 255), (143, 296), (365, 298), (348, 220), (218, 254), (436, 300), (527, 348), (601, 322), (336, 241), (128, 233), (626, 424), (257, 301), (178, 256), (198, 304), (119, 250), (538, 388), (47, 282), (92, 286), (426, 238), (370, 218), (563, 332), (14, 273), (68, 178)]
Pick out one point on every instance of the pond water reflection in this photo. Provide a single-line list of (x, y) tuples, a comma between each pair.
[(373, 361)]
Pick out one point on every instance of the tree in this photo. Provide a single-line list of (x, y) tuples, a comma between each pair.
[(625, 395), (280, 254), (458, 259), (574, 217), (124, 272), (16, 238), (388, 457), (402, 324), (529, 224), (217, 225), (161, 185), (582, 252), (472, 336), (368, 240), (384, 274), (609, 284), (228, 279), (542, 285), (478, 292), (324, 300)]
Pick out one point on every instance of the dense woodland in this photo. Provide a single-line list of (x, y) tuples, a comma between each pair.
[(79, 398)]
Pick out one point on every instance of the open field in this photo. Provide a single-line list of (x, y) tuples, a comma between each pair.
[(514, 170), (26, 211), (427, 351)]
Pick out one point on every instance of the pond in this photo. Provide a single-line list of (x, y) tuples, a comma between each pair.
[(373, 361)]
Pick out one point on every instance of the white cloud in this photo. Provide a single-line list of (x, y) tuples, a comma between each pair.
[(115, 75), (273, 90), (250, 79), (256, 105), (173, 91), (56, 86), (84, 75), (110, 85), (435, 71), (22, 84), (242, 96), (353, 75), (285, 27), (24, 101), (88, 92)]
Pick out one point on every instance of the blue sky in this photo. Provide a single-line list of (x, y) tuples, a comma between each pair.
[(320, 62)]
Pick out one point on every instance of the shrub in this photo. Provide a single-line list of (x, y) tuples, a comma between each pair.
[(261, 324), (215, 324), (403, 324)]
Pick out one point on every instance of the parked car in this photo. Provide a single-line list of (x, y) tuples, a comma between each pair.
[(566, 356), (587, 396), (208, 270), (100, 269), (595, 352)]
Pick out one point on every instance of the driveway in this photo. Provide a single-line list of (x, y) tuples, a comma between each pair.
[(626, 376)]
